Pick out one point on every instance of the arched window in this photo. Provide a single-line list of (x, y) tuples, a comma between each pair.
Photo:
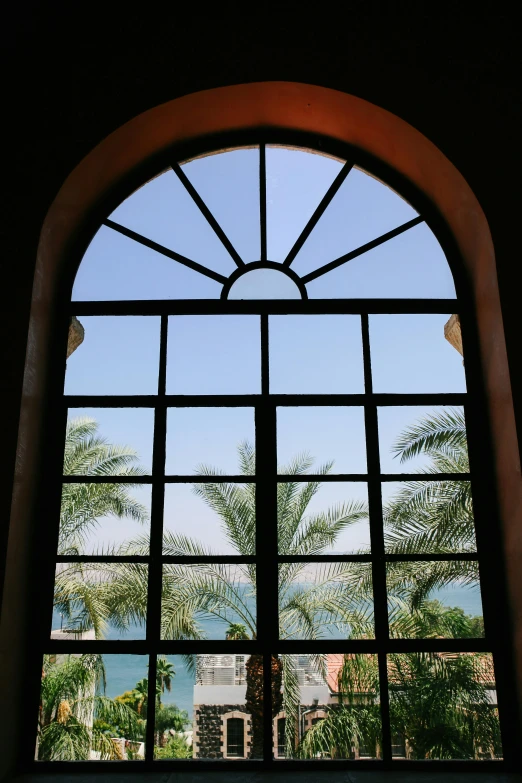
[(235, 738), (266, 467), (235, 735)]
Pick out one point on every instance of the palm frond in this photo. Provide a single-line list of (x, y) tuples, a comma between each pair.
[(235, 505), (439, 431)]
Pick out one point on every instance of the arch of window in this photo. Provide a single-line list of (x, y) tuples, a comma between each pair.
[(351, 236)]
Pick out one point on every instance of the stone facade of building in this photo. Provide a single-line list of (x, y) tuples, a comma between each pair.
[(209, 738)]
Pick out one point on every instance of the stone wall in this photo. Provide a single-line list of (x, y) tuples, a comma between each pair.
[(208, 737), (208, 729)]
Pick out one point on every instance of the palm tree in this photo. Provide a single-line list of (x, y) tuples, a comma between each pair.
[(139, 696), (79, 596), (196, 592), (227, 593), (165, 673), (432, 517), (236, 631), (169, 718), (74, 709), (439, 704), (355, 721), (86, 453), (427, 516), (117, 592), (308, 604)]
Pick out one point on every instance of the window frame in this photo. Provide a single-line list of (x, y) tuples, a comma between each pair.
[(491, 563), (244, 717)]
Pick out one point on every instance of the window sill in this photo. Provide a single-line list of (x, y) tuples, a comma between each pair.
[(352, 776)]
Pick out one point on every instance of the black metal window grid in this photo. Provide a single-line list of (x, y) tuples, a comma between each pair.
[(266, 479)]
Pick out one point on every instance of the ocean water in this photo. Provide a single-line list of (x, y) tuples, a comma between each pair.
[(123, 671)]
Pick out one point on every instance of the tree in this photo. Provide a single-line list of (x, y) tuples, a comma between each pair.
[(141, 689), (254, 699), (167, 718), (74, 711), (81, 591), (176, 747), (428, 516), (432, 517), (164, 675), (236, 631), (227, 593), (307, 605), (137, 699), (190, 593), (356, 720), (86, 453), (439, 704), (132, 699)]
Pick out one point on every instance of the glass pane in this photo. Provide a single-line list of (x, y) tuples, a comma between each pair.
[(116, 267), (330, 436), (205, 713), (204, 439), (163, 210), (108, 442), (296, 181), (104, 519), (92, 708), (410, 354), (264, 284), (100, 601), (339, 707), (444, 705), (325, 600), (322, 519), (422, 517), (210, 601), (315, 354), (362, 209), (119, 355), (214, 354), (209, 519), (228, 183), (418, 438), (434, 600), (236, 735), (409, 266)]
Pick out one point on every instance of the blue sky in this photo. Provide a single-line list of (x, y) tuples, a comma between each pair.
[(221, 354)]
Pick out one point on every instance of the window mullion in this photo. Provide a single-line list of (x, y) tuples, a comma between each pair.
[(262, 200), (266, 537), (155, 576), (377, 539)]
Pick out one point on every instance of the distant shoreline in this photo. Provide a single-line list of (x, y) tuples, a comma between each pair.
[(124, 671)]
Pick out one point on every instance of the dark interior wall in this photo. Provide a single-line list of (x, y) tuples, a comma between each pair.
[(73, 73)]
